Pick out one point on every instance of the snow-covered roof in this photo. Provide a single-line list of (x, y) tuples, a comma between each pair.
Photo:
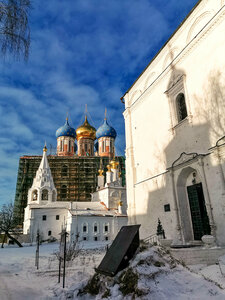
[(80, 208), (92, 209), (56, 204)]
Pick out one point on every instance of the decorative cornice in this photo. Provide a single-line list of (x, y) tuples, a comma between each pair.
[(186, 158)]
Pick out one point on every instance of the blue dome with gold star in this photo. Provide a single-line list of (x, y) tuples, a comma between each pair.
[(106, 130), (66, 130)]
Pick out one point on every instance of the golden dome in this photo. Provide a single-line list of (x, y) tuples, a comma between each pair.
[(114, 163), (86, 131), (100, 172)]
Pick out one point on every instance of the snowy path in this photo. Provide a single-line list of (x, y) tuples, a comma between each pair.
[(14, 286), (20, 280), (5, 293)]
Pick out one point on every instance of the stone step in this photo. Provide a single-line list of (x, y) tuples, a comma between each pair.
[(198, 255)]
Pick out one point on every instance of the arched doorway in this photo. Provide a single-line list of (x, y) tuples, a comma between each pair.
[(199, 216), (192, 207)]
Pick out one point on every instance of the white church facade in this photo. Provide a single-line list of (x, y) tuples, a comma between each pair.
[(175, 133), (97, 220)]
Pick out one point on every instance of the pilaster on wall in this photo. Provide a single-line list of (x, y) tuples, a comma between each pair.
[(130, 169)]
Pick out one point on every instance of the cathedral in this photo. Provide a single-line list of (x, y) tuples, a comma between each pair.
[(80, 188), (175, 133)]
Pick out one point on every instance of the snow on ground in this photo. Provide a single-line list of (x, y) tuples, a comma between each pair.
[(159, 276), (20, 279)]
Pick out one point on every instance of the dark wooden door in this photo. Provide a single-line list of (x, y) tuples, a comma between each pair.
[(200, 220)]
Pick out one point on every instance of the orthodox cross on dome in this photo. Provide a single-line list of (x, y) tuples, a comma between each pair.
[(105, 113), (44, 162), (45, 148)]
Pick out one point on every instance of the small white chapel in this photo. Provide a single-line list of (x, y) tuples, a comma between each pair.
[(97, 220)]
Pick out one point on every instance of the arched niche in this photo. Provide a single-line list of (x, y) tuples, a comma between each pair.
[(34, 195), (198, 24), (148, 80), (134, 96), (115, 194), (44, 195)]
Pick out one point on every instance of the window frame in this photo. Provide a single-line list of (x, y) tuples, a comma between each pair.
[(64, 193), (64, 171), (84, 225), (177, 86), (95, 224), (106, 224)]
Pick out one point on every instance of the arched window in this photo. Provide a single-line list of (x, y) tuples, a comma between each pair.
[(85, 227), (69, 145), (34, 195), (115, 194), (111, 145), (95, 227), (106, 227), (64, 171), (63, 191), (103, 146), (44, 195), (61, 145), (181, 107)]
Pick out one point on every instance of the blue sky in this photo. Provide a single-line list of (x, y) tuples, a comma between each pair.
[(82, 52)]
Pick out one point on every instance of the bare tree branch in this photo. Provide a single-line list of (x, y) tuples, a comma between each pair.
[(8, 222), (14, 28)]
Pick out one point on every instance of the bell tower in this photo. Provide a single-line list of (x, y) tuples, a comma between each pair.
[(43, 189)]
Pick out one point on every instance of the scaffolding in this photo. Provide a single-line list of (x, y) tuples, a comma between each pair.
[(75, 178)]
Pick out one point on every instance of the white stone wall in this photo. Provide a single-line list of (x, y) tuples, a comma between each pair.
[(111, 196), (31, 225), (191, 62), (114, 225)]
